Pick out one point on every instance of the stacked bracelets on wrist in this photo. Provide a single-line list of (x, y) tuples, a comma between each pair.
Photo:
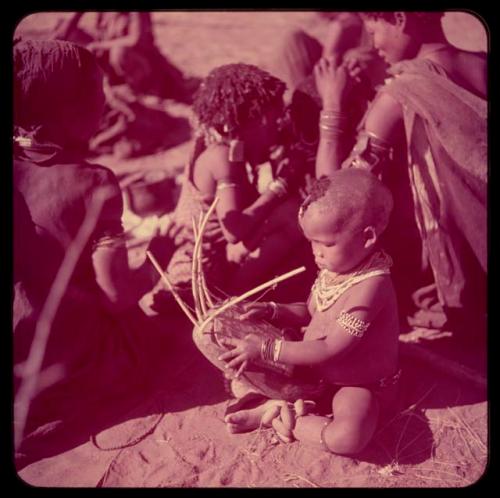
[(270, 350), (278, 187), (332, 123)]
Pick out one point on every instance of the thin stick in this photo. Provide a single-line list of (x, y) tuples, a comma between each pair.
[(199, 280), (291, 477), (440, 472), (469, 430), (205, 291), (401, 436), (44, 323), (194, 269), (444, 481), (407, 410), (251, 292), (170, 287), (195, 227), (202, 284), (197, 267)]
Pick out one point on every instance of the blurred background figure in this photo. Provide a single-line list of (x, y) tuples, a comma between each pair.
[(135, 69)]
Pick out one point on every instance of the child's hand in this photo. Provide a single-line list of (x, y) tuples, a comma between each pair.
[(244, 350), (257, 311), (285, 418)]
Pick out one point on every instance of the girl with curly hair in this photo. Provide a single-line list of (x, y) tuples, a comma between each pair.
[(238, 109)]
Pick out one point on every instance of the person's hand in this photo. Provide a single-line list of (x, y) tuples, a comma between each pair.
[(333, 81), (285, 418), (292, 171), (361, 60), (237, 253), (257, 311), (243, 351)]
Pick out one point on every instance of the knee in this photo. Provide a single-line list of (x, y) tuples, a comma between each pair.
[(346, 439)]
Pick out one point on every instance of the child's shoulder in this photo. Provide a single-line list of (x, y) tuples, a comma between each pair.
[(372, 291), (215, 160)]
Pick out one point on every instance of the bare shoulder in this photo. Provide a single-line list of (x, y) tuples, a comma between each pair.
[(373, 292), (214, 161), (384, 116)]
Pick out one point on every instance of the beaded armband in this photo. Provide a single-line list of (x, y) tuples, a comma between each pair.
[(351, 324)]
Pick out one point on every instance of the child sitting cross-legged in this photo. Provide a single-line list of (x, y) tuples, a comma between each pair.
[(350, 340)]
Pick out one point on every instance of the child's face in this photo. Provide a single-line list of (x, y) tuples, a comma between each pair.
[(390, 40), (337, 251), (261, 134)]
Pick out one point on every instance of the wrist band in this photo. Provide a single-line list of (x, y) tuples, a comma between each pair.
[(267, 350), (322, 437), (277, 350)]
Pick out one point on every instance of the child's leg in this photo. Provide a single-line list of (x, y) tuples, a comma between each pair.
[(355, 416)]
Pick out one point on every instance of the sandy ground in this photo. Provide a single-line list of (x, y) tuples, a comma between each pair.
[(171, 433)]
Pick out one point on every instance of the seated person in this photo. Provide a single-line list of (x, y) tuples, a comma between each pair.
[(345, 39), (125, 47), (425, 135), (351, 330), (75, 208), (237, 108)]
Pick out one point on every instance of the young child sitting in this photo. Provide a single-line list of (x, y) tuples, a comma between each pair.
[(237, 109), (351, 337)]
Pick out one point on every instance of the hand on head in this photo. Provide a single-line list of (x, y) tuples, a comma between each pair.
[(334, 81)]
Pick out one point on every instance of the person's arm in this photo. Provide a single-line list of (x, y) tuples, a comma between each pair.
[(290, 314), (237, 221), (63, 31), (121, 285), (129, 40), (383, 120), (361, 308), (332, 82)]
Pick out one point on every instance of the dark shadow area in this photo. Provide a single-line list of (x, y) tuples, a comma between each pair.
[(142, 131), (175, 377), (150, 192), (406, 437)]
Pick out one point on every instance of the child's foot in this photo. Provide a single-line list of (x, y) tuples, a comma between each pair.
[(247, 416)]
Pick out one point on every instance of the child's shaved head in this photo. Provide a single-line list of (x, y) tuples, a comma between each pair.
[(353, 199)]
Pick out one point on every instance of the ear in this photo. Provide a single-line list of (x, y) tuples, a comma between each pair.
[(371, 236), (400, 18)]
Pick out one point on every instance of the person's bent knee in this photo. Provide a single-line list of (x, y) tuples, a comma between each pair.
[(345, 441)]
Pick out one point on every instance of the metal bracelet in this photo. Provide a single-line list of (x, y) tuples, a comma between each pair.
[(322, 437)]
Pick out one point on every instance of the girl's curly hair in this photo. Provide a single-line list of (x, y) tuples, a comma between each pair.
[(233, 94)]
